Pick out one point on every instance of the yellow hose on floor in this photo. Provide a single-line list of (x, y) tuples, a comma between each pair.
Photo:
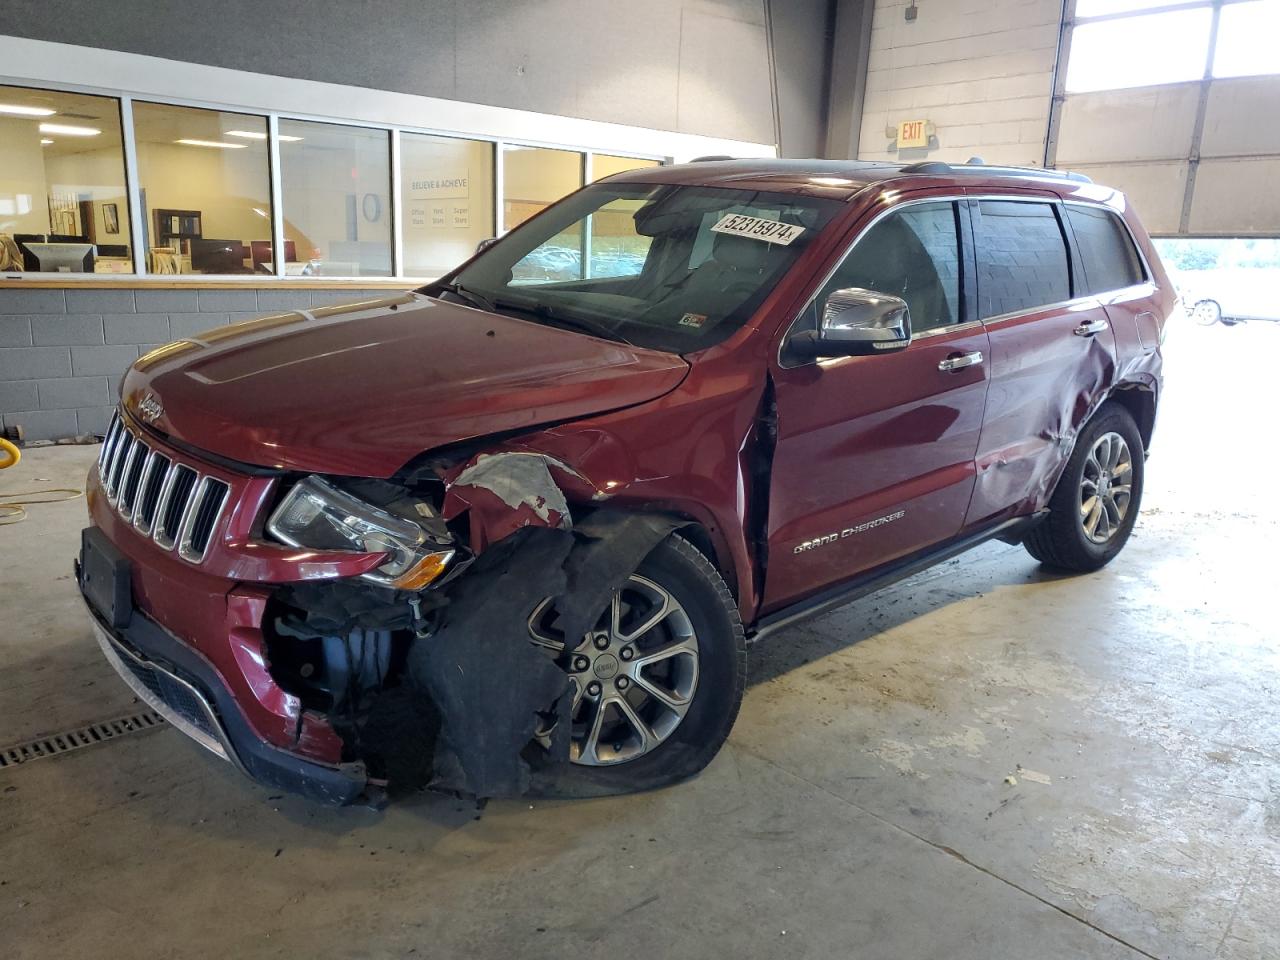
[(13, 510)]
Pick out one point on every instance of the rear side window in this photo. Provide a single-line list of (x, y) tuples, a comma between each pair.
[(1110, 261), (1022, 257)]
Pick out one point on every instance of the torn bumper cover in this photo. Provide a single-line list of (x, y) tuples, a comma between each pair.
[(493, 689), (185, 688)]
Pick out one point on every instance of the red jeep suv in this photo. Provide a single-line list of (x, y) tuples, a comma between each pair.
[(514, 530)]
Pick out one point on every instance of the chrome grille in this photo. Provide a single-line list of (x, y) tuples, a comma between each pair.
[(169, 501)]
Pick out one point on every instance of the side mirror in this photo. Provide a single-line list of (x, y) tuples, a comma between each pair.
[(857, 322), (485, 244)]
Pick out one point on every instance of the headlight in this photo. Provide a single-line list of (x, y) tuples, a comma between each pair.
[(318, 515)]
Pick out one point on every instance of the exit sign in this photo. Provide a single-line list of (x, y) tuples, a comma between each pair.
[(911, 133)]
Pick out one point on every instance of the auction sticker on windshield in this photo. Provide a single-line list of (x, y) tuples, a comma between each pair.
[(758, 228)]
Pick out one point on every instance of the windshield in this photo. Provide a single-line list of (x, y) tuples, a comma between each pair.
[(666, 267)]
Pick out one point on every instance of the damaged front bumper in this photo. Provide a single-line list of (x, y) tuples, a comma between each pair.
[(184, 688)]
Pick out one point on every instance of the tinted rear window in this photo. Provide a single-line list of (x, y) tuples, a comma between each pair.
[(1110, 261), (1022, 257)]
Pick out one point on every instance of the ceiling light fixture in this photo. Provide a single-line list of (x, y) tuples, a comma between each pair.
[(18, 110), (69, 131), (45, 141), (211, 143), (257, 135)]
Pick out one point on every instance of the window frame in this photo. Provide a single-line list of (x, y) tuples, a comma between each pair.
[(968, 277), (124, 117), (125, 101), (1077, 254), (1068, 243)]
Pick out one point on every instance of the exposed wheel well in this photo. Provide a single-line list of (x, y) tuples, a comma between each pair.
[(1140, 401)]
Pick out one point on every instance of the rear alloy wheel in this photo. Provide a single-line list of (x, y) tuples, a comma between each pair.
[(657, 681), (1094, 508), (1106, 487)]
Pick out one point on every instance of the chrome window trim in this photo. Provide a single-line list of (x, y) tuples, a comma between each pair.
[(1147, 275), (1098, 298), (893, 208)]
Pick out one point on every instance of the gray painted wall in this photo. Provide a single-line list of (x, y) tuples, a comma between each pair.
[(691, 66), (63, 352), (800, 32)]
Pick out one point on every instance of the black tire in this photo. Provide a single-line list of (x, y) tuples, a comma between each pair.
[(1060, 540), (681, 569)]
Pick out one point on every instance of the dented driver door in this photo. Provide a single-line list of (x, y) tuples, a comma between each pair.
[(875, 454)]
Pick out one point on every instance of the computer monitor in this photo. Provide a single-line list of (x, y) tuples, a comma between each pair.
[(30, 262), (217, 256), (68, 238), (261, 253), (63, 257)]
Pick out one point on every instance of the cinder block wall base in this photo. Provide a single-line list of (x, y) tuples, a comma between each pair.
[(64, 352)]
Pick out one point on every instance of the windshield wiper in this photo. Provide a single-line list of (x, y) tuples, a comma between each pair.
[(545, 314), (473, 298)]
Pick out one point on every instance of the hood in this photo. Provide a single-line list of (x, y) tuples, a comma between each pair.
[(361, 389)]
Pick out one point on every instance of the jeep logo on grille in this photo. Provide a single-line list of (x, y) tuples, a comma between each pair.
[(149, 408)]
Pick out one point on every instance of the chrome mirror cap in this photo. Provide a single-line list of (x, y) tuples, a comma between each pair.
[(857, 322)]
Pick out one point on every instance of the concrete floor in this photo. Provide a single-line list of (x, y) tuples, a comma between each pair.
[(859, 809)]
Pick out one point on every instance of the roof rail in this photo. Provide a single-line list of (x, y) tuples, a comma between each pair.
[(713, 156), (975, 165), (927, 166)]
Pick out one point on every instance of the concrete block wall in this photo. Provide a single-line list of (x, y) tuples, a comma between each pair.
[(64, 352), (981, 70)]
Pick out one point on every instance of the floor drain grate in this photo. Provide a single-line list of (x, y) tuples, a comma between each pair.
[(60, 743)]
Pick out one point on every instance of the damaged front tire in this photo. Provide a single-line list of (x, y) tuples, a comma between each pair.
[(657, 682)]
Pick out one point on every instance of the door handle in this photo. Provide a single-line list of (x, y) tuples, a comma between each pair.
[(959, 361), (1090, 327)]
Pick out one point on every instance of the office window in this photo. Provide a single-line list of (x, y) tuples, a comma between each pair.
[(206, 190), (913, 254), (446, 187), (1139, 51), (533, 178), (1247, 35), (606, 165), (336, 182), (1110, 261), (63, 203), (1022, 257)]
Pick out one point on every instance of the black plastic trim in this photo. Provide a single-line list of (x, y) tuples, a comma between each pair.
[(264, 763), (886, 575)]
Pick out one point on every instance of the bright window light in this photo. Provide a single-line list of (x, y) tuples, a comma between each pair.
[(220, 144), (1139, 51), (67, 130), (1247, 35), (1100, 8), (20, 111), (258, 135)]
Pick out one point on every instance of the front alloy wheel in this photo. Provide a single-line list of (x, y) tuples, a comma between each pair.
[(656, 681), (634, 675)]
